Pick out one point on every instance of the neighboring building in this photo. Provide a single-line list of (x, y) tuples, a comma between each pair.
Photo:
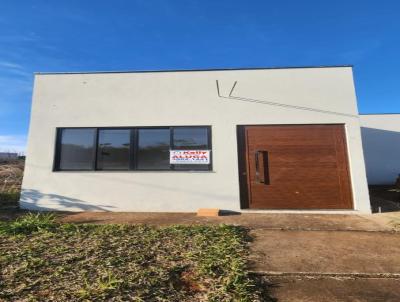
[(176, 141), (8, 156), (381, 141)]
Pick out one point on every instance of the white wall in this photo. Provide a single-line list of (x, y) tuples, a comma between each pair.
[(177, 98), (381, 142)]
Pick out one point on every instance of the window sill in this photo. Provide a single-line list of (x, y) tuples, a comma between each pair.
[(134, 171)]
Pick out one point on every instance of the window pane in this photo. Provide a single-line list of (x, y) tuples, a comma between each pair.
[(190, 138), (113, 150), (153, 149), (77, 149)]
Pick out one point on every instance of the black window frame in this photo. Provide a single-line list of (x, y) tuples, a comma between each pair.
[(133, 150)]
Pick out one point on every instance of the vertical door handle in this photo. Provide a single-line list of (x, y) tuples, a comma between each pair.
[(265, 164), (257, 166)]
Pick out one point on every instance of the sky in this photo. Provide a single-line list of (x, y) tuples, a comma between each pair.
[(99, 35)]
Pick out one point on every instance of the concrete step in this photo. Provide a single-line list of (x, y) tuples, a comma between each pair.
[(332, 289), (325, 252)]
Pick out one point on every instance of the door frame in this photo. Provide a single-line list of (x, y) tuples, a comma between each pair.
[(242, 164), (241, 149)]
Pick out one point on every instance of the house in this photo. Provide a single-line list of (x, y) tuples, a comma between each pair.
[(381, 143), (275, 139), (8, 156)]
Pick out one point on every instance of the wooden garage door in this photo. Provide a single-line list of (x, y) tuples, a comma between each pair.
[(295, 167)]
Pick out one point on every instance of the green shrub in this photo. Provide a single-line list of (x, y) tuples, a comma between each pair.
[(29, 223), (9, 197)]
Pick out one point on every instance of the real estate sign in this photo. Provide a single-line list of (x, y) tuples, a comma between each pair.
[(189, 157)]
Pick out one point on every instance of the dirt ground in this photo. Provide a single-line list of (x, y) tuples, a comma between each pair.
[(268, 221)]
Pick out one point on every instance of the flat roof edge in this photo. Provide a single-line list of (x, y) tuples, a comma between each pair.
[(385, 113), (192, 70)]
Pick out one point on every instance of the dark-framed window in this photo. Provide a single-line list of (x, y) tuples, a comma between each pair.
[(187, 138), (77, 149), (113, 149), (130, 148), (153, 149)]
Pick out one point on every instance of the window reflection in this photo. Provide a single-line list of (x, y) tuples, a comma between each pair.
[(113, 149), (190, 138), (77, 149), (153, 149), (128, 148)]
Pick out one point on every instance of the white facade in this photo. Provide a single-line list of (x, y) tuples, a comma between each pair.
[(263, 96), (381, 142)]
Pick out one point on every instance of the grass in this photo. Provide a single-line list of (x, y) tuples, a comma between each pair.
[(12, 196), (395, 221), (11, 173), (42, 260)]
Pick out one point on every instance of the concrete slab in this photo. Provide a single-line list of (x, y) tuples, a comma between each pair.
[(334, 290), (325, 251)]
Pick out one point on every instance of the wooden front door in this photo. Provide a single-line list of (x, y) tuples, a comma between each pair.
[(294, 167)]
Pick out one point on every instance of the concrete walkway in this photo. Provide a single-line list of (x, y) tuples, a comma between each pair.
[(304, 257), (334, 290), (356, 262), (350, 252), (328, 265)]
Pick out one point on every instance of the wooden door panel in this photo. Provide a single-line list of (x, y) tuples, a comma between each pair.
[(307, 167)]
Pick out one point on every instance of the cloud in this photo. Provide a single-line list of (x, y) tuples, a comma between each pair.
[(361, 52), (14, 90), (13, 143), (13, 69), (31, 37), (11, 65), (15, 85)]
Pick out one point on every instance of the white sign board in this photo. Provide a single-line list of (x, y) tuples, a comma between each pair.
[(191, 157)]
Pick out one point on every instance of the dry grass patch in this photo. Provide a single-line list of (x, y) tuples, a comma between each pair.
[(42, 260), (11, 173)]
